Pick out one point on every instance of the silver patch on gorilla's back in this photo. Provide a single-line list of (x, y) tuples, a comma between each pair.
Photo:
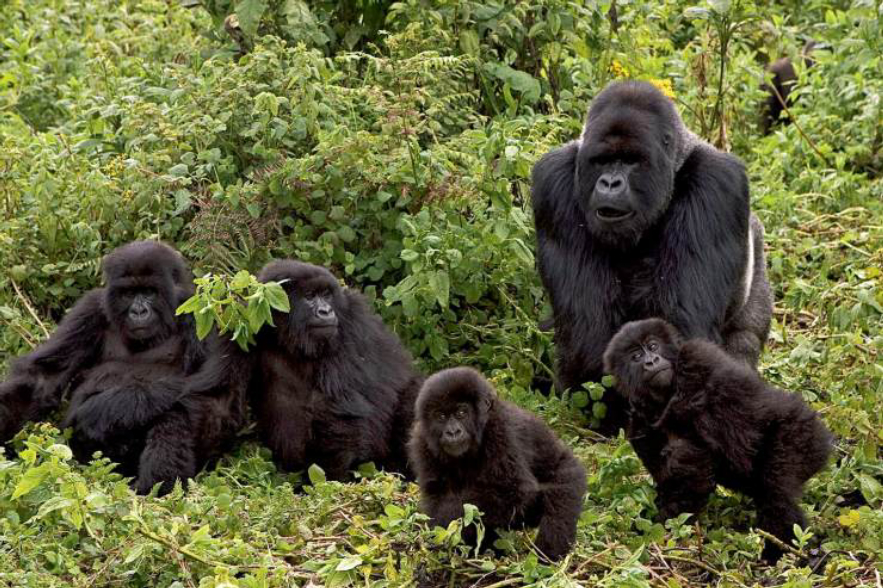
[(748, 278)]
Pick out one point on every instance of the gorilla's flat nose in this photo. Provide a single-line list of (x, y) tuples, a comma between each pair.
[(610, 184)]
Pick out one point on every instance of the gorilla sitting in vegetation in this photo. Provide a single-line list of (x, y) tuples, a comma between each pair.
[(125, 358), (713, 420), (330, 385), (469, 446), (640, 218)]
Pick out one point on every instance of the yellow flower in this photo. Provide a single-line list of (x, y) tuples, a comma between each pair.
[(664, 86), (618, 69)]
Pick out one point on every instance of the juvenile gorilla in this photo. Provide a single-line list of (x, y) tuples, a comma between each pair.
[(702, 418), (639, 218), (468, 445), (331, 385), (125, 357)]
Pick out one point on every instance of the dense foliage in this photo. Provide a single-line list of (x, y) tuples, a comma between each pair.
[(392, 142)]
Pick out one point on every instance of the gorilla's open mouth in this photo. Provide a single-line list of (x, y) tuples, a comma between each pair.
[(610, 214)]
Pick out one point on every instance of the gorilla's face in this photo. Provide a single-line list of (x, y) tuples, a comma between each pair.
[(313, 325), (642, 356), (454, 428), (626, 162), (145, 282), (142, 313), (452, 411)]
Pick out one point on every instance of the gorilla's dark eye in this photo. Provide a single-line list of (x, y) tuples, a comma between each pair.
[(636, 356), (653, 346)]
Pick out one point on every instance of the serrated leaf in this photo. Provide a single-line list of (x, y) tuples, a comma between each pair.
[(249, 13), (30, 480), (240, 281), (349, 563), (277, 297)]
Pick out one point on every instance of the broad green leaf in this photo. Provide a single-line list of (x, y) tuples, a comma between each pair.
[(249, 13), (31, 479), (316, 475), (277, 297)]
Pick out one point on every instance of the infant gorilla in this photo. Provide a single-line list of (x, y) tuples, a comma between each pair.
[(468, 445), (701, 417)]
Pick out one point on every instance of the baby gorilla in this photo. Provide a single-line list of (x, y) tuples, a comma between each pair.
[(700, 417), (468, 445)]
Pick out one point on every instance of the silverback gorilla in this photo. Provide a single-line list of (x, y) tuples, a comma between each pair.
[(330, 385), (703, 418), (468, 445), (640, 218), (125, 358)]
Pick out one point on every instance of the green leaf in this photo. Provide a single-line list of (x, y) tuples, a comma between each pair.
[(599, 410), (31, 479), (349, 563), (316, 475), (241, 280), (440, 283), (469, 42), (249, 13), (204, 322), (277, 297)]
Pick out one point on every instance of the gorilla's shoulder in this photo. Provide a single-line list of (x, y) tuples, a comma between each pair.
[(713, 173)]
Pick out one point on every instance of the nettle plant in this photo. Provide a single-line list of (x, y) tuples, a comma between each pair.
[(239, 305)]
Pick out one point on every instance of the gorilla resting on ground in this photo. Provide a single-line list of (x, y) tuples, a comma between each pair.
[(126, 357), (468, 445), (702, 418), (330, 385), (639, 218)]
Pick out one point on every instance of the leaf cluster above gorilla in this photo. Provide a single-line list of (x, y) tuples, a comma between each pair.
[(125, 358), (639, 218)]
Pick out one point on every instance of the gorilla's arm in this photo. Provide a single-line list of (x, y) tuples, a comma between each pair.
[(108, 411), (703, 251), (581, 283), (38, 380)]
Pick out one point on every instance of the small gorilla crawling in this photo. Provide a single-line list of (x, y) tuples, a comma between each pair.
[(701, 417), (468, 445)]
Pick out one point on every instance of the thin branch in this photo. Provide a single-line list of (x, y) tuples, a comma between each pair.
[(694, 562), (777, 541), (182, 550), (27, 305)]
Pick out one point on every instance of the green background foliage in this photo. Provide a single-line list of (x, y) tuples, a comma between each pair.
[(393, 142)]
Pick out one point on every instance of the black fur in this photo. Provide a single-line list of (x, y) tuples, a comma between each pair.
[(125, 358), (779, 89), (683, 253), (496, 456), (337, 389), (702, 418)]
